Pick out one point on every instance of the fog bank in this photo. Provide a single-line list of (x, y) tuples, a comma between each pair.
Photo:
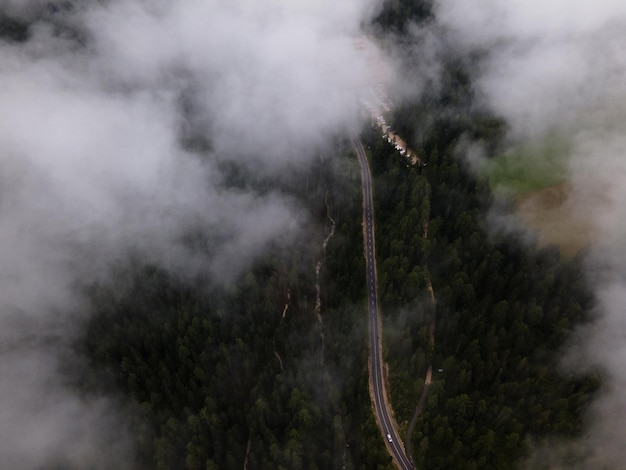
[(116, 120)]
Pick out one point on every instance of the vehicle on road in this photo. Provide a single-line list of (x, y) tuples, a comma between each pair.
[(389, 438)]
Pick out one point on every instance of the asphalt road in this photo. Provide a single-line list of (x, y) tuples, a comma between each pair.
[(395, 447)]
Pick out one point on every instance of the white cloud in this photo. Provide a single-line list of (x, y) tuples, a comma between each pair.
[(94, 106)]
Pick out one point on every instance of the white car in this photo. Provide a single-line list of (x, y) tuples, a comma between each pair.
[(389, 438)]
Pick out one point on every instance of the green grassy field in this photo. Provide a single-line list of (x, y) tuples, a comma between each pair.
[(529, 167)]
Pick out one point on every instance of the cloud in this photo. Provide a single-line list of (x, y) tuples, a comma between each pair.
[(100, 108), (267, 77), (548, 63), (55, 427)]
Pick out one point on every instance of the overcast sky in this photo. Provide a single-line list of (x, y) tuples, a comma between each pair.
[(560, 66), (93, 110)]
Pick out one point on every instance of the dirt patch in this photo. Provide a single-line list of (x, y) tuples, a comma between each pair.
[(558, 216)]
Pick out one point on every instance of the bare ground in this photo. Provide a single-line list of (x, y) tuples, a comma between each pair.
[(559, 217)]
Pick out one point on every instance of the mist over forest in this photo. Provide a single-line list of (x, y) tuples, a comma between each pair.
[(180, 213)]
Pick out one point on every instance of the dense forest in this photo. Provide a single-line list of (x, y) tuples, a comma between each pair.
[(503, 309), (258, 375), (249, 373), (12, 30)]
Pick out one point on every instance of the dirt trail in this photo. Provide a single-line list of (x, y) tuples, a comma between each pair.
[(429, 371), (248, 447), (318, 268), (280, 361), (287, 303)]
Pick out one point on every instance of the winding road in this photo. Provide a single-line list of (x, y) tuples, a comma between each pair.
[(377, 384)]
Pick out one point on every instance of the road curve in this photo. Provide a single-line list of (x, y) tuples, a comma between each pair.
[(395, 447)]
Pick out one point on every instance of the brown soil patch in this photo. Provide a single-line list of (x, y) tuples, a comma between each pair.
[(557, 217)]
